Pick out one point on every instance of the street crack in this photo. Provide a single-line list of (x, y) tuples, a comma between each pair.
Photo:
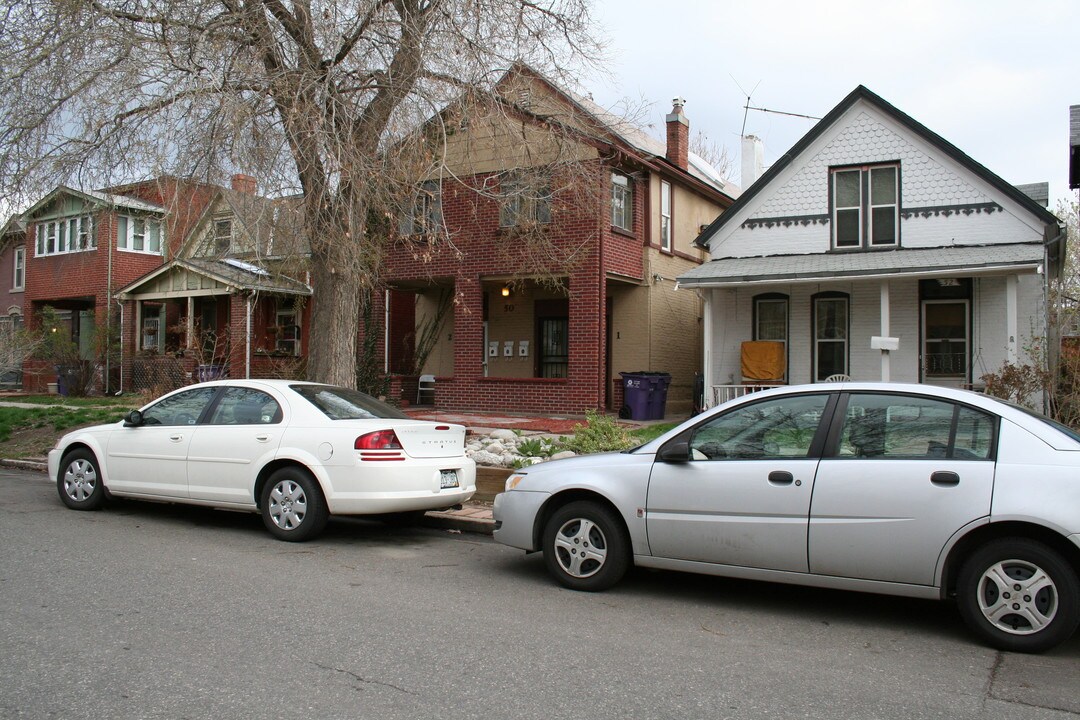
[(363, 680)]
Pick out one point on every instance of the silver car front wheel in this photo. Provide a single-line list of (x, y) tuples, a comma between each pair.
[(1019, 595), (585, 546)]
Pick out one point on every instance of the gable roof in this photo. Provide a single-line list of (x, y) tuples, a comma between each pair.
[(231, 274), (863, 93), (95, 197), (631, 136)]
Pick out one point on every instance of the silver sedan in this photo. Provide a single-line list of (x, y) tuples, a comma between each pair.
[(899, 489)]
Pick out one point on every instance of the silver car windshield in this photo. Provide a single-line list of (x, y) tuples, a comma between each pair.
[(339, 403)]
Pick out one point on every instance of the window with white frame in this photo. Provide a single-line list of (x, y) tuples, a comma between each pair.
[(222, 235), (138, 234), (64, 235), (866, 206), (288, 336), (18, 280), (424, 217), (526, 199), (622, 202), (665, 216)]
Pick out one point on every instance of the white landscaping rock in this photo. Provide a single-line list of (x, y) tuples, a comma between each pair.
[(483, 457), (495, 448), (502, 434), (563, 454)]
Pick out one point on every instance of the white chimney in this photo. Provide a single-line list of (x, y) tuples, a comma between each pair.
[(753, 160)]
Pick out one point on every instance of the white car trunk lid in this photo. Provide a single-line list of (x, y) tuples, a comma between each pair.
[(431, 440)]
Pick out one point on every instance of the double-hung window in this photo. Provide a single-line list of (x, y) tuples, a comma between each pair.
[(665, 216), (622, 202), (525, 200), (222, 235), (19, 280), (288, 339), (73, 234), (866, 206), (138, 234), (424, 217)]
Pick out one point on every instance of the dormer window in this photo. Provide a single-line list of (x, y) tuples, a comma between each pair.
[(865, 207)]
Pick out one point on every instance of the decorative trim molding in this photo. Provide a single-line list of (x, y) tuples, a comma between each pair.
[(752, 223), (947, 210)]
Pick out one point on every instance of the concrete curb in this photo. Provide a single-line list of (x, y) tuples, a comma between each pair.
[(25, 464)]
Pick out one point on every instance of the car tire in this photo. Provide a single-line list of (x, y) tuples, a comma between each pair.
[(79, 482), (585, 546), (292, 505), (992, 597)]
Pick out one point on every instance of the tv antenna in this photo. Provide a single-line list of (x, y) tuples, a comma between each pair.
[(747, 107)]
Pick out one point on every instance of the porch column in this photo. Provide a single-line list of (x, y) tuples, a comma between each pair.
[(1010, 318), (885, 366), (190, 329), (707, 340)]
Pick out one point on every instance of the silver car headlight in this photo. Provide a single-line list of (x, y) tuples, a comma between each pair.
[(513, 480)]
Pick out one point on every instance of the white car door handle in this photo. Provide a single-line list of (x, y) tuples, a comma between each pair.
[(176, 438), (262, 438)]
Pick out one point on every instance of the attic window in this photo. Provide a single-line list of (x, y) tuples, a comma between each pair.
[(865, 206), (525, 98), (222, 236)]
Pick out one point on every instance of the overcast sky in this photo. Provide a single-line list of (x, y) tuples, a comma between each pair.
[(993, 77)]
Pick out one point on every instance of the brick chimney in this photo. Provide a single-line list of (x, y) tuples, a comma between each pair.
[(244, 183), (678, 135)]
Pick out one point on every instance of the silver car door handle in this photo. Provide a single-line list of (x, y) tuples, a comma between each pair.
[(944, 477), (781, 477), (176, 438)]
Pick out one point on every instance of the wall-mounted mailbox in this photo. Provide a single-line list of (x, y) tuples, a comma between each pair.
[(523, 348), (508, 349), (878, 342), (493, 348)]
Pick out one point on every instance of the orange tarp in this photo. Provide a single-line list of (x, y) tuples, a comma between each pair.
[(763, 360)]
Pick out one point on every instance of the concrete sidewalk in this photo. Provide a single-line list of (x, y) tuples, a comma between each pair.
[(470, 517)]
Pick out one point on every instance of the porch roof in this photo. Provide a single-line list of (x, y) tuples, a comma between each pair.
[(192, 276), (910, 262)]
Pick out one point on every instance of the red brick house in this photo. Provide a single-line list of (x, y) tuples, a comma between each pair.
[(514, 341)]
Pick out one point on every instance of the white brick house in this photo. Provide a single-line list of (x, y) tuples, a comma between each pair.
[(874, 249)]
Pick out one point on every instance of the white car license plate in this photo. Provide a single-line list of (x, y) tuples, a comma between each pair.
[(448, 479)]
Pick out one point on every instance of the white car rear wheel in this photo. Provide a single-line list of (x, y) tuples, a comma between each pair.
[(292, 505)]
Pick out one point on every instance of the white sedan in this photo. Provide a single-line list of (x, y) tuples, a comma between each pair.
[(296, 452), (899, 489)]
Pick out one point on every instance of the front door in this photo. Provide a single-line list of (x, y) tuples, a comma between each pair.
[(946, 342), (151, 459), (744, 497)]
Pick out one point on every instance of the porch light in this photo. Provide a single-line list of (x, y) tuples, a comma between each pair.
[(506, 291)]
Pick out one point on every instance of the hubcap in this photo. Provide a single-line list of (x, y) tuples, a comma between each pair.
[(580, 547), (288, 505), (80, 480), (1017, 597)]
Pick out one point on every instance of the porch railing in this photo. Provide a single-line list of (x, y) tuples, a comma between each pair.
[(723, 393)]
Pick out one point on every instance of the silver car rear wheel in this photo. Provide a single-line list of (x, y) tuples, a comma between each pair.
[(1019, 595), (586, 546)]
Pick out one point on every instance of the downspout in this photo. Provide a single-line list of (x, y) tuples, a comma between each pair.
[(121, 304), (108, 320), (247, 338), (386, 331)]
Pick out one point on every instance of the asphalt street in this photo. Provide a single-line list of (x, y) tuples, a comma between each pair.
[(156, 611)]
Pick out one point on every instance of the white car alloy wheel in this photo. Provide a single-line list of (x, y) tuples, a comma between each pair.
[(293, 507), (288, 505), (78, 481)]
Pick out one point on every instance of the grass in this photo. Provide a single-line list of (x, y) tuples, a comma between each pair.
[(132, 401), (650, 432), (56, 419)]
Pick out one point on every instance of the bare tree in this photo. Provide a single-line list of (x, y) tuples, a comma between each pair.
[(324, 98)]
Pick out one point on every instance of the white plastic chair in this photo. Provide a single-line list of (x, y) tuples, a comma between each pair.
[(838, 377), (426, 384)]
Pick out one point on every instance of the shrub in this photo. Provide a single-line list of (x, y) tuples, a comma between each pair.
[(600, 433)]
